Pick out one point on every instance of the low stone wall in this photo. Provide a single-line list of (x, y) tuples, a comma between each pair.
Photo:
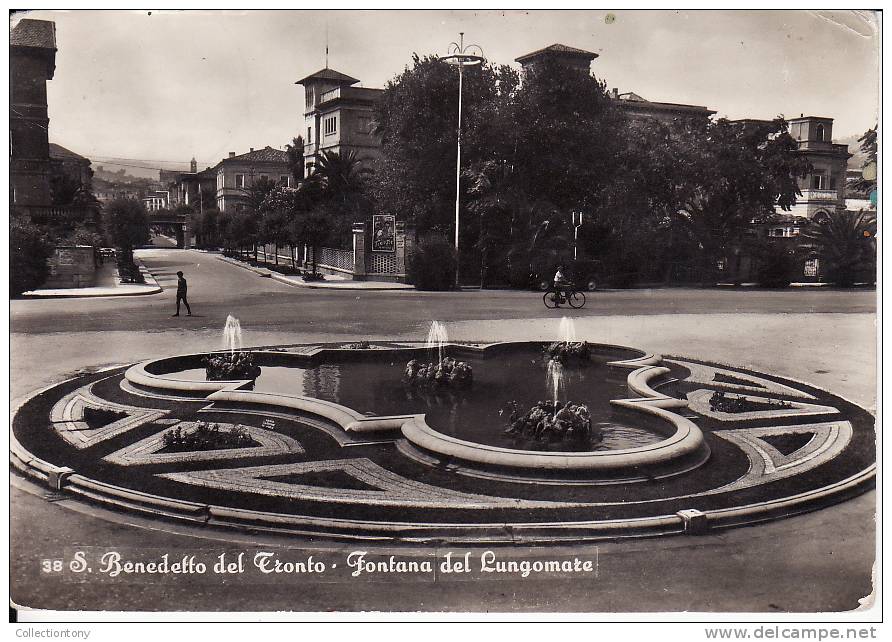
[(71, 267)]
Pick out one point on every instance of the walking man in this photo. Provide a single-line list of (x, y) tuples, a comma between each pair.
[(181, 295)]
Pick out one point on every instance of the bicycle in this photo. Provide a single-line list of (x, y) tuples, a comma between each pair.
[(553, 297)]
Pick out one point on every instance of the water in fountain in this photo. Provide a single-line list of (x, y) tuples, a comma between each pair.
[(437, 338), (554, 379), (567, 331), (232, 335)]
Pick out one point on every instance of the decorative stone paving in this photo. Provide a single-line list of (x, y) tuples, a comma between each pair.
[(392, 489), (767, 464), (312, 472), (68, 418), (702, 373)]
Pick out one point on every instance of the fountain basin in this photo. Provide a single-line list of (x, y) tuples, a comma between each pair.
[(653, 437)]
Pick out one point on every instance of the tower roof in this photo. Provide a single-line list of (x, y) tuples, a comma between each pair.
[(329, 74), (34, 33), (557, 48)]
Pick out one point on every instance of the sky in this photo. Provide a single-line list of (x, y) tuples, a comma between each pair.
[(162, 87)]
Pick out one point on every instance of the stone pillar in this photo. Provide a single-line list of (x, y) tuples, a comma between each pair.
[(404, 253), (400, 247), (359, 253)]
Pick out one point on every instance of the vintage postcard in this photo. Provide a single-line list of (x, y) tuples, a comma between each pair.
[(459, 313)]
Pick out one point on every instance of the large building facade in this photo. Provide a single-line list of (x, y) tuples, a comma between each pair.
[(339, 117), (238, 173), (32, 62)]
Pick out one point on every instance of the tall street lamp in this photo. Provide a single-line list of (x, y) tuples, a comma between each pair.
[(462, 56)]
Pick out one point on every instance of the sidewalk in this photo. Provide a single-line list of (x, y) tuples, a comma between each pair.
[(330, 282), (106, 283)]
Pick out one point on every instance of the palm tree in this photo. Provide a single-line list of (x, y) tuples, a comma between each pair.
[(846, 242), (342, 178)]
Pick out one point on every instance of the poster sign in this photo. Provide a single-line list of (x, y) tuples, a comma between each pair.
[(383, 233)]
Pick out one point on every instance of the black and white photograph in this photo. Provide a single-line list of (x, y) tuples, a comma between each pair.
[(461, 314)]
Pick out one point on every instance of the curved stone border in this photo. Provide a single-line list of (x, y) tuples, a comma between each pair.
[(690, 522), (685, 440)]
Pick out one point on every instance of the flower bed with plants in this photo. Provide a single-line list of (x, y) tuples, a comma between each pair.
[(720, 402), (206, 437)]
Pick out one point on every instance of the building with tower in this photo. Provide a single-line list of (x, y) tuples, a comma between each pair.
[(32, 62), (338, 117), (823, 190), (630, 104)]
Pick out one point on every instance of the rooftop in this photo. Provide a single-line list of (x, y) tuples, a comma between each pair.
[(329, 74), (560, 49), (267, 154), (34, 33), (60, 153)]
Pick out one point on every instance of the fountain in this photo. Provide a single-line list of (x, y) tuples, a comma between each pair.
[(554, 379), (567, 330), (446, 372), (238, 363), (232, 334), (567, 347), (437, 337)]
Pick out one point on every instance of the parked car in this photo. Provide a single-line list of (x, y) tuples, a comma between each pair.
[(107, 252)]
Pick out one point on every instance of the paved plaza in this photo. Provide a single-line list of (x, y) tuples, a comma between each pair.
[(823, 337)]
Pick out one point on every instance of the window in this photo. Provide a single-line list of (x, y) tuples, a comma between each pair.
[(309, 135), (819, 133), (285, 181), (240, 180), (811, 268), (818, 181), (264, 176), (331, 125)]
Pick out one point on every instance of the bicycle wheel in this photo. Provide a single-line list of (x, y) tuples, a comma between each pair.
[(551, 299), (576, 299)]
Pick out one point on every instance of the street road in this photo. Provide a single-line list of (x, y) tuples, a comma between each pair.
[(816, 562)]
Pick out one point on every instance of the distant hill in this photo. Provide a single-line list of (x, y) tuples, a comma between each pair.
[(115, 174)]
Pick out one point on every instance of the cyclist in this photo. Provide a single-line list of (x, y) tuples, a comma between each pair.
[(562, 286)]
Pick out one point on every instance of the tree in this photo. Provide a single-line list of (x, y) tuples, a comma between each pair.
[(417, 120), (564, 133), (276, 212), (846, 243), (340, 181), (295, 152), (256, 193), (127, 225), (28, 253), (868, 180), (732, 174)]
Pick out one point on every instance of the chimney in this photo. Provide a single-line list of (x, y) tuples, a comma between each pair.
[(614, 93), (231, 154), (252, 149)]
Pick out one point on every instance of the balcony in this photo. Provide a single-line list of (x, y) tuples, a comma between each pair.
[(331, 94)]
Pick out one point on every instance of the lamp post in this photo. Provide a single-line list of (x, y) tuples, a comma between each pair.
[(462, 56), (577, 223)]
